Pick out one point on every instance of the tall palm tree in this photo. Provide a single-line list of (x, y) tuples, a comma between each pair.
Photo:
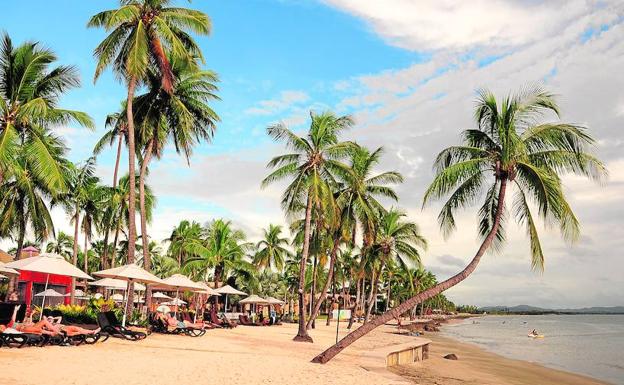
[(182, 115), (144, 32), (117, 126), (358, 202), (30, 89), (80, 179), (312, 167), (61, 245), (272, 251), (509, 148)]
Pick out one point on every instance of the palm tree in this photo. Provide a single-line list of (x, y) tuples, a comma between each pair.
[(181, 114), (272, 250), (508, 149), (79, 178), (24, 194), (61, 245), (29, 93), (140, 33), (223, 248), (312, 166), (357, 200), (184, 240), (117, 132), (397, 241)]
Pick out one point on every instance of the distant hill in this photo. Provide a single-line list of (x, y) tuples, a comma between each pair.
[(527, 309)]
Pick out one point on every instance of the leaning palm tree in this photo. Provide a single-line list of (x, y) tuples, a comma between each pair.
[(144, 32), (30, 89), (184, 240), (508, 149), (272, 251), (312, 166)]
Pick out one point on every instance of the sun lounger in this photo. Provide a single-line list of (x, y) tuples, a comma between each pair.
[(244, 320), (111, 326), (159, 326)]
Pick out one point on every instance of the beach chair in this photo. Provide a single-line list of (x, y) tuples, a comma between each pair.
[(159, 326), (244, 320), (111, 327)]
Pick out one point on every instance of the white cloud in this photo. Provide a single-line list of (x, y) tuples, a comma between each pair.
[(283, 102), (458, 25)]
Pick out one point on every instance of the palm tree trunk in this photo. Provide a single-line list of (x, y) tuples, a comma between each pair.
[(355, 303), (332, 351), (330, 275), (388, 297), (302, 333), (117, 159), (20, 245), (75, 253), (147, 263), (132, 187), (115, 239), (310, 322), (372, 300), (86, 258)]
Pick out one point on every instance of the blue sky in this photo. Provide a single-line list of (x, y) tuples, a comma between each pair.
[(407, 71)]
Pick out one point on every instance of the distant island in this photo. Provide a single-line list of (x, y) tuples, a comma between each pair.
[(527, 309)]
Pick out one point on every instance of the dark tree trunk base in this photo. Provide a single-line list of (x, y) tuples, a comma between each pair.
[(299, 338)]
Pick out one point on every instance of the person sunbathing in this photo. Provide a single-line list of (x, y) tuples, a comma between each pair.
[(46, 327), (171, 321)]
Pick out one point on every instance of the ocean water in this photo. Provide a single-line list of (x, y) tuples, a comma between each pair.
[(592, 345)]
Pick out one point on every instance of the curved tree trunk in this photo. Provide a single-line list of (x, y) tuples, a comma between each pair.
[(147, 262), (310, 322), (117, 159), (115, 239), (86, 259), (332, 351), (132, 187), (75, 253), (302, 332), (330, 276), (12, 285)]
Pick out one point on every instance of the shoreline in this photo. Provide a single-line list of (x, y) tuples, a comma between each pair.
[(478, 366)]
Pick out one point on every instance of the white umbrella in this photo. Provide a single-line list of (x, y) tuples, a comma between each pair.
[(160, 295), (117, 297), (175, 302), (163, 309), (180, 281), (48, 293), (227, 289), (78, 294), (254, 299), (274, 301), (207, 289), (130, 273), (7, 270), (117, 284), (48, 263)]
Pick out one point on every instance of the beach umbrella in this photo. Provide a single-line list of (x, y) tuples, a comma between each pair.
[(180, 281), (254, 300), (163, 309), (227, 289), (175, 302), (7, 270), (46, 294), (48, 263), (116, 284), (129, 273), (160, 295), (205, 290), (274, 301), (79, 294), (117, 297)]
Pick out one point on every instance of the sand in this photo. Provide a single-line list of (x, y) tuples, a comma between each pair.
[(258, 355)]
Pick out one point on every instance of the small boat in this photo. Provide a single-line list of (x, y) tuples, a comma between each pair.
[(535, 335)]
